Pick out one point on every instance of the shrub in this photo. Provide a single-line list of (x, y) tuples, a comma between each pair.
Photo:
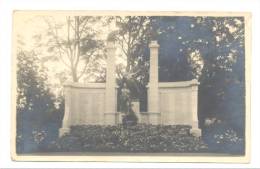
[(138, 138), (223, 139)]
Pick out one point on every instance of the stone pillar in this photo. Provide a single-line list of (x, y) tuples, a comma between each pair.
[(194, 108), (110, 98), (153, 91), (67, 114)]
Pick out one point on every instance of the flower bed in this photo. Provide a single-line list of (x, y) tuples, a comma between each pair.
[(140, 138)]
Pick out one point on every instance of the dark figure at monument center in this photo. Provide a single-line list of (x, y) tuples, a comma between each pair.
[(129, 117)]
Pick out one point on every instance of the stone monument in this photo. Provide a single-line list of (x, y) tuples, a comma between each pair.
[(169, 103)]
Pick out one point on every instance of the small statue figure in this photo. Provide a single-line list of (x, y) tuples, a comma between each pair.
[(126, 101), (129, 117)]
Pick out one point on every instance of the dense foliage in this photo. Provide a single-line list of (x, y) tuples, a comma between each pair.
[(149, 138), (220, 138), (38, 119), (139, 138)]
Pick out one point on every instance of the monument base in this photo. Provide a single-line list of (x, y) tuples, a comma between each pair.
[(195, 132), (63, 131), (154, 118), (110, 118)]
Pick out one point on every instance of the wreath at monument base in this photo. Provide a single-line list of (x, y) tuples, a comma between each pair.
[(129, 119)]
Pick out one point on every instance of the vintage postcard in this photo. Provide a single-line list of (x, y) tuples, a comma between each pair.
[(131, 86)]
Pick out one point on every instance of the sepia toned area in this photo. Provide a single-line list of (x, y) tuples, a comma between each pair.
[(130, 84)]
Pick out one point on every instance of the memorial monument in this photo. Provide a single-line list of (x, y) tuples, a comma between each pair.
[(169, 103)]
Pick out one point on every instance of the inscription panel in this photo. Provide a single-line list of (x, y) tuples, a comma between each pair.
[(175, 106), (88, 106)]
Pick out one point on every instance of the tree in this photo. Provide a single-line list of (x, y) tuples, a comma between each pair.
[(221, 79), (210, 49), (133, 35), (38, 119), (75, 44)]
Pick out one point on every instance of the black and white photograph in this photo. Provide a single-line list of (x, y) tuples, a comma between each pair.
[(130, 84)]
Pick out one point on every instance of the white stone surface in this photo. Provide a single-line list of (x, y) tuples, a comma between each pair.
[(154, 118), (176, 102), (195, 132), (136, 109), (85, 105), (111, 95), (144, 118), (66, 122), (86, 102), (153, 92), (63, 131)]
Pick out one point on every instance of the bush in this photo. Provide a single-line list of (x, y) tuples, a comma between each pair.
[(217, 138), (223, 139), (138, 138)]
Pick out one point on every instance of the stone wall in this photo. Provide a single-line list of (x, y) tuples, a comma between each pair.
[(88, 103), (85, 104), (92, 103), (176, 102)]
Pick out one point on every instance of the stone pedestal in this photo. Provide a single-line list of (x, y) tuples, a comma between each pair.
[(195, 132), (154, 118), (67, 114), (110, 118), (136, 109), (144, 118), (63, 131)]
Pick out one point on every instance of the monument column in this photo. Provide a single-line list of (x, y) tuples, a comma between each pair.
[(153, 91), (110, 98), (194, 108)]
